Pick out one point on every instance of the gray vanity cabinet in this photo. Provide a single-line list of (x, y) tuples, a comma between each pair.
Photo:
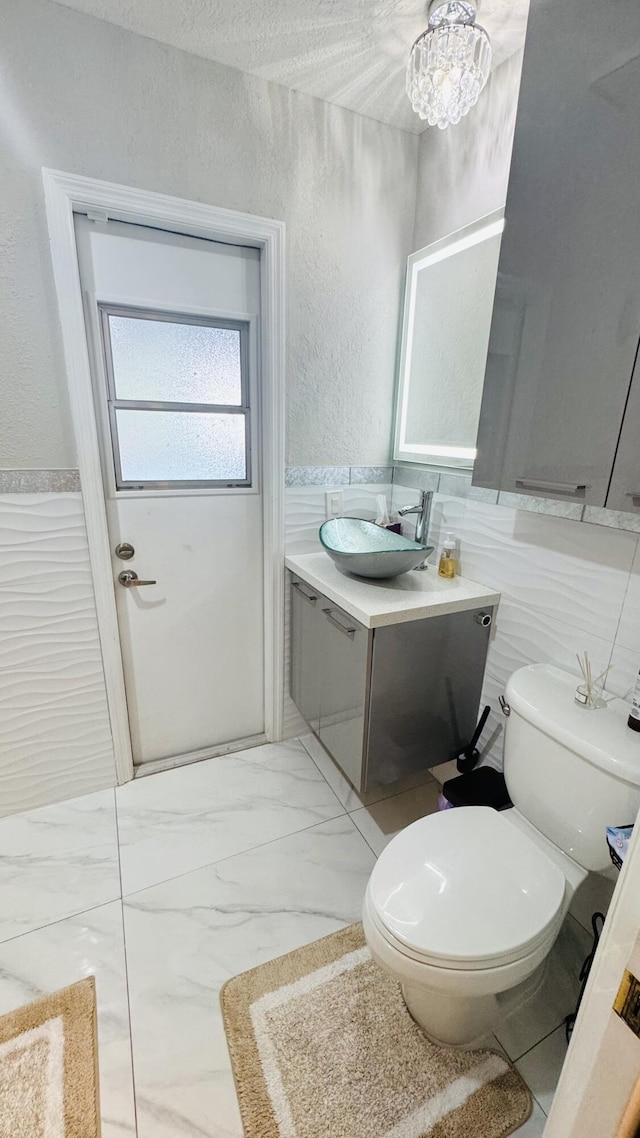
[(305, 669), (385, 702), (329, 666), (343, 647), (566, 318)]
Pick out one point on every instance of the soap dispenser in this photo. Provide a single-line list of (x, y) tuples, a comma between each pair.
[(448, 566)]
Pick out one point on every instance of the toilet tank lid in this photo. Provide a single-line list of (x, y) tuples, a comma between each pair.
[(544, 695)]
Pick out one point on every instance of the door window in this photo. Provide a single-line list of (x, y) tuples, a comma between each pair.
[(178, 399)]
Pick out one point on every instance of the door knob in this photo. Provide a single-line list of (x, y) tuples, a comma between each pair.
[(131, 580)]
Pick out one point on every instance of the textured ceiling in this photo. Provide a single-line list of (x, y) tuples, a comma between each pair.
[(349, 52)]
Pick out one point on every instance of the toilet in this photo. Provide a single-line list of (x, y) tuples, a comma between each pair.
[(463, 906)]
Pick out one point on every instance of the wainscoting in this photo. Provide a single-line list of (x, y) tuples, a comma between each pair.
[(567, 587), (55, 737)]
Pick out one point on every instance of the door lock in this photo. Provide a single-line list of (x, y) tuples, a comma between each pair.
[(124, 551)]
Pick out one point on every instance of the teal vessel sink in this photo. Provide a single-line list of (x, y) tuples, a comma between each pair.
[(368, 550)]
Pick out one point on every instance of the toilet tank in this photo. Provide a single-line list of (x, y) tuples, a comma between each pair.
[(569, 770)]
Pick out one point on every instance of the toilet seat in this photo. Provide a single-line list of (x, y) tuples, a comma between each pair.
[(465, 889)]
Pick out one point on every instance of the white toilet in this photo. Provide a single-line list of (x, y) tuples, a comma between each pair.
[(463, 907)]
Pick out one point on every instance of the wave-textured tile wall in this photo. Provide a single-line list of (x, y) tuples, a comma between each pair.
[(55, 738), (567, 586)]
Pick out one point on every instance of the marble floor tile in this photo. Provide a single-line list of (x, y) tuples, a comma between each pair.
[(182, 819), (187, 936), (379, 823), (444, 771), (557, 997), (339, 784), (540, 1068), (40, 962), (343, 789), (593, 896), (534, 1126), (56, 861)]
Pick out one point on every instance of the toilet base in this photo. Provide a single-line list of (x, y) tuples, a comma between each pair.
[(463, 1023), (451, 1021), (458, 1007), (514, 999)]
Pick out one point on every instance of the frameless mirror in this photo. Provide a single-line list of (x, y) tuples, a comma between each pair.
[(447, 317)]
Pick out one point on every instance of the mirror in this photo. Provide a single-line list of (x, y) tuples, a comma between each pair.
[(445, 336)]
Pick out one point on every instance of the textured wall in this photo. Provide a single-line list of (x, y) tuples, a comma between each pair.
[(81, 95), (55, 738), (464, 171)]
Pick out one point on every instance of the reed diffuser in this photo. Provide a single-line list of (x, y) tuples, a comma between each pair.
[(589, 692)]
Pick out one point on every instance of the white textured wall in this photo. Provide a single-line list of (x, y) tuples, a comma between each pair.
[(464, 170), (55, 738), (81, 95)]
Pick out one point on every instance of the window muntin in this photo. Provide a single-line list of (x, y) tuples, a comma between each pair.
[(178, 399)]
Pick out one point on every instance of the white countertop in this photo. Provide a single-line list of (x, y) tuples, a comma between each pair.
[(413, 596)]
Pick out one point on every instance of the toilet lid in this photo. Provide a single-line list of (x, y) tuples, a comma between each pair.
[(466, 885)]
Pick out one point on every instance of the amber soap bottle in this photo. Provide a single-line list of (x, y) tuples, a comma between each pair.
[(448, 566)]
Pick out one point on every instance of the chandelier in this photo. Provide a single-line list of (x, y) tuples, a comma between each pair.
[(449, 63)]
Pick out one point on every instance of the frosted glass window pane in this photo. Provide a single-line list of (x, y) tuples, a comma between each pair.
[(161, 446), (157, 361)]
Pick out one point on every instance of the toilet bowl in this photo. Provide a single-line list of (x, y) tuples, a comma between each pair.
[(463, 907), (460, 910)]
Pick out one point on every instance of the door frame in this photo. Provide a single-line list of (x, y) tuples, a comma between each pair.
[(68, 193)]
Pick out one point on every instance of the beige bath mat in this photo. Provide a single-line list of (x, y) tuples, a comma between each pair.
[(322, 1046), (48, 1067)]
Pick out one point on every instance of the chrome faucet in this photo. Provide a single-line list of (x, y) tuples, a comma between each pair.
[(423, 509)]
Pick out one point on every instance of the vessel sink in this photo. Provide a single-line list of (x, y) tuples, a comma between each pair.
[(368, 550)]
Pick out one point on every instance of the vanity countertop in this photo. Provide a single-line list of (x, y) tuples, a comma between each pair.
[(413, 596)]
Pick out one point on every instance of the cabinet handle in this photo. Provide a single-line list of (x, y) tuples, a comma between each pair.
[(310, 597), (558, 487), (350, 632)]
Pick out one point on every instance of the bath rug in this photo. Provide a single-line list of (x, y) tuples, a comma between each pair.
[(322, 1046), (48, 1067)]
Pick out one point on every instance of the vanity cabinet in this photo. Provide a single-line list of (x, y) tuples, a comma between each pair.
[(391, 701), (305, 667), (558, 396)]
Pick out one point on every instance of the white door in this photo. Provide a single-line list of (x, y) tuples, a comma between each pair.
[(173, 331)]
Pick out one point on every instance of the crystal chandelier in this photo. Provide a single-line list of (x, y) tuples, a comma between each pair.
[(449, 64)]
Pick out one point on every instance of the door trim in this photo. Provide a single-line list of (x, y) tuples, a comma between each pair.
[(68, 193)]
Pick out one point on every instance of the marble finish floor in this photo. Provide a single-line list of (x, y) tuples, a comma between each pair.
[(171, 884)]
